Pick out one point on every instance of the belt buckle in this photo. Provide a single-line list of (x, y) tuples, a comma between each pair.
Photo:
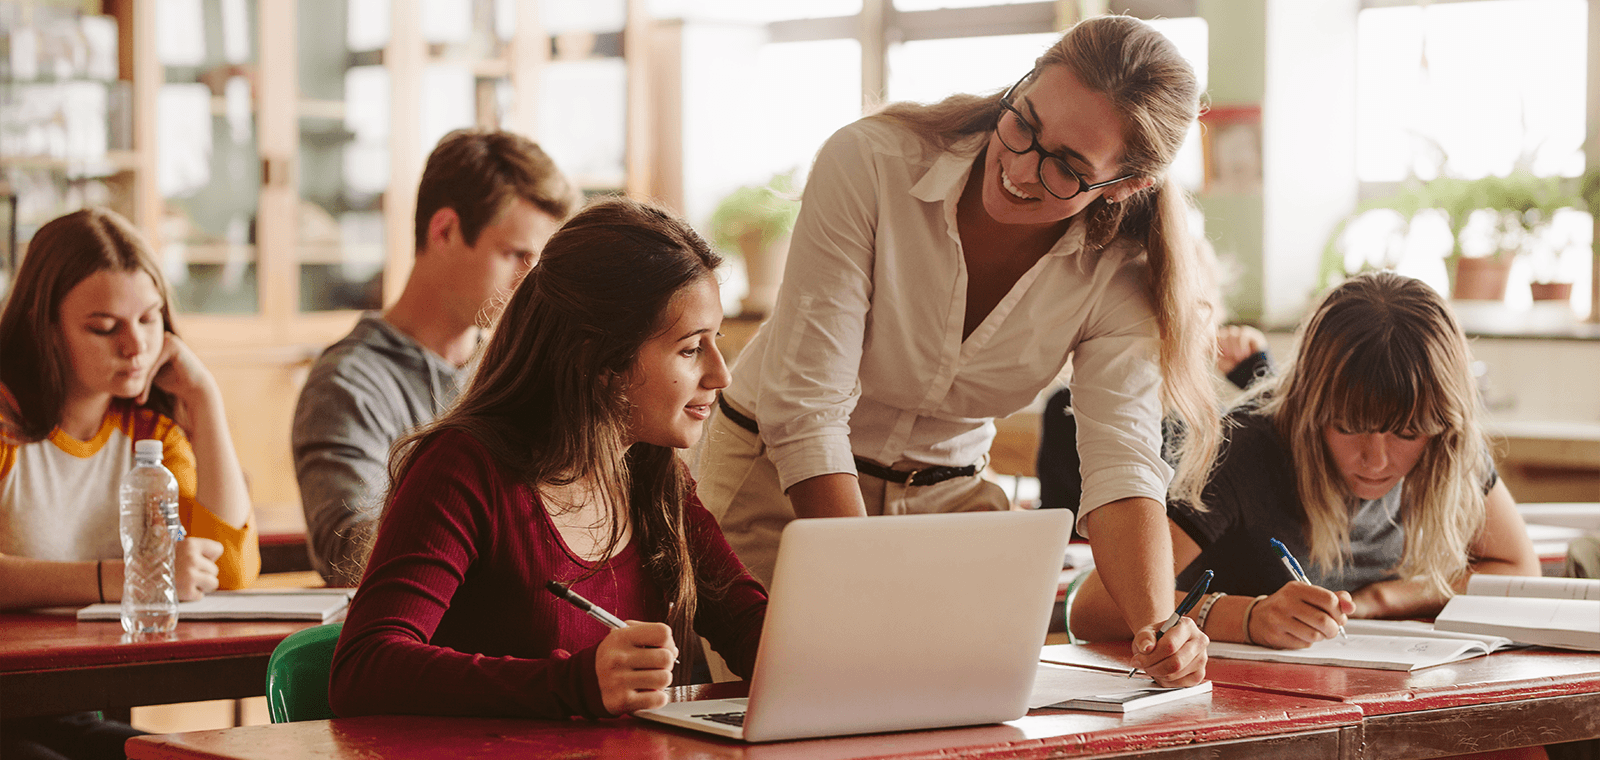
[(911, 479)]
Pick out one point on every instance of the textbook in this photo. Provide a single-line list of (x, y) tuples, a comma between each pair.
[(1381, 652), (1064, 688), (1549, 612), (315, 604)]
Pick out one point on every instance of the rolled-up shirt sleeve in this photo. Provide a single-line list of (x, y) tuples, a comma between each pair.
[(809, 374), (1116, 398)]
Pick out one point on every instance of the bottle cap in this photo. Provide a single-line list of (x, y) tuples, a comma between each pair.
[(148, 447)]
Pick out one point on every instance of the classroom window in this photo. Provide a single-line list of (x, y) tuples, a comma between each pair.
[(1468, 90)]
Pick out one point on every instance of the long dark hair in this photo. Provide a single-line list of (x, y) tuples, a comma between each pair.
[(548, 401), (64, 252), (1156, 92)]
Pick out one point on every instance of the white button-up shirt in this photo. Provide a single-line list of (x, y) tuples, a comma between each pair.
[(863, 354)]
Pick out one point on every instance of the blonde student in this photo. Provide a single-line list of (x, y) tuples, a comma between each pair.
[(89, 363), (1367, 459), (559, 463), (948, 261)]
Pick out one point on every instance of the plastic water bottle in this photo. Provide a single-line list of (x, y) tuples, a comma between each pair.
[(150, 533)]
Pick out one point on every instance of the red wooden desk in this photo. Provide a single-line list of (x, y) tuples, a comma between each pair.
[(51, 663), (1505, 700), (1232, 723)]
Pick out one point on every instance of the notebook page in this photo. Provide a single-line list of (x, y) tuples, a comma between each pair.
[(1423, 630), (1522, 586), (318, 605), (1359, 651), (1567, 623), (1053, 684)]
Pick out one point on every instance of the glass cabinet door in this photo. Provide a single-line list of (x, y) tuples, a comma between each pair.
[(209, 166), (344, 119)]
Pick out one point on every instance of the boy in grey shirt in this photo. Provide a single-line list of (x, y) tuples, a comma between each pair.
[(487, 203)]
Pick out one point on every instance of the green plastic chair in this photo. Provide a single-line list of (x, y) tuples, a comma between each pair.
[(1066, 609), (297, 675)]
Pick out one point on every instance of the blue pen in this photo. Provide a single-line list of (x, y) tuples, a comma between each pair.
[(1199, 590), (1295, 572)]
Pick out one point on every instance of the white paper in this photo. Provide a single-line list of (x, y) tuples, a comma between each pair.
[(318, 605), (446, 20), (235, 31), (367, 24), (1357, 651), (1524, 586), (449, 102), (1055, 683), (100, 37), (180, 32), (183, 139)]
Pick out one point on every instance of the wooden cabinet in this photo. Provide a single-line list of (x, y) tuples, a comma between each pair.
[(276, 150)]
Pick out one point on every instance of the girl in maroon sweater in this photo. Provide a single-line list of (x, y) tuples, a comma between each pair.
[(558, 463)]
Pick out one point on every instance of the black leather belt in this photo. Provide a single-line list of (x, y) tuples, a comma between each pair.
[(925, 476)]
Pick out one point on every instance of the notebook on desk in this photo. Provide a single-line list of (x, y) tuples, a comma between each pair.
[(896, 623), (315, 604)]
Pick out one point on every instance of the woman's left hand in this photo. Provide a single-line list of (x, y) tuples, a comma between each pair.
[(180, 372), (1177, 659)]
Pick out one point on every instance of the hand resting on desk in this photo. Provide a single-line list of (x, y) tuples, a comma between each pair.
[(634, 665), (195, 567)]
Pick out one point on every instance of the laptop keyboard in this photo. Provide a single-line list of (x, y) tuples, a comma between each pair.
[(728, 718)]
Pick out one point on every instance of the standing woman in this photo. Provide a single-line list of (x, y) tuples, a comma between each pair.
[(948, 261), (89, 363)]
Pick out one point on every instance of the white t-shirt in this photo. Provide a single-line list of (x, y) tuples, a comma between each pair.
[(864, 356)]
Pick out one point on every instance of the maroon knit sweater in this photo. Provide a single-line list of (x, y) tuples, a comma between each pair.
[(453, 617)]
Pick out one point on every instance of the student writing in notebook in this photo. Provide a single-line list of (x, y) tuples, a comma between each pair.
[(559, 463), (1367, 458), (89, 363)]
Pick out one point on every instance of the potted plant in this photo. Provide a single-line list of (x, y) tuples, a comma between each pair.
[(753, 222), (1512, 212)]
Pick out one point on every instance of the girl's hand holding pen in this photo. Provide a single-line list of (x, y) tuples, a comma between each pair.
[(634, 665), (1177, 658), (1299, 615)]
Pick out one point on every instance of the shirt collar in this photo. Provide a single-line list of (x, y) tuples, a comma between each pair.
[(948, 174)]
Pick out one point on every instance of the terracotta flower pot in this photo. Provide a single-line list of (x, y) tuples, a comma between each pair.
[(764, 269), (1481, 279), (1551, 291)]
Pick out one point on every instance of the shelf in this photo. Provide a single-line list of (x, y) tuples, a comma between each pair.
[(114, 162)]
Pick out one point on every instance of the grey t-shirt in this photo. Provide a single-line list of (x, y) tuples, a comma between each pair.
[(365, 392), (1251, 498)]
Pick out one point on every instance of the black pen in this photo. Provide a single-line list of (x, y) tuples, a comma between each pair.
[(589, 608), (1184, 606)]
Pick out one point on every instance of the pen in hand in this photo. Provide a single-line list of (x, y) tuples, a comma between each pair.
[(589, 608), (1199, 590), (1295, 572)]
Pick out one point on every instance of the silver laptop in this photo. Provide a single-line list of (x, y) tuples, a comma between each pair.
[(896, 623)]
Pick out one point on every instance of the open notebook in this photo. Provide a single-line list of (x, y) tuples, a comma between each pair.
[(1551, 612), (316, 604), (1378, 644)]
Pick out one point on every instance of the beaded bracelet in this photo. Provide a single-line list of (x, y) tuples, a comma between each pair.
[(1247, 610), (100, 579), (1205, 609)]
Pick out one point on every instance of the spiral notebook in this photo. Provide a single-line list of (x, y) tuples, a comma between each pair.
[(314, 604)]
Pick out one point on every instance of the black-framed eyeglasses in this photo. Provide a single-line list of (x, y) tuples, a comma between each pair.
[(1019, 137)]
